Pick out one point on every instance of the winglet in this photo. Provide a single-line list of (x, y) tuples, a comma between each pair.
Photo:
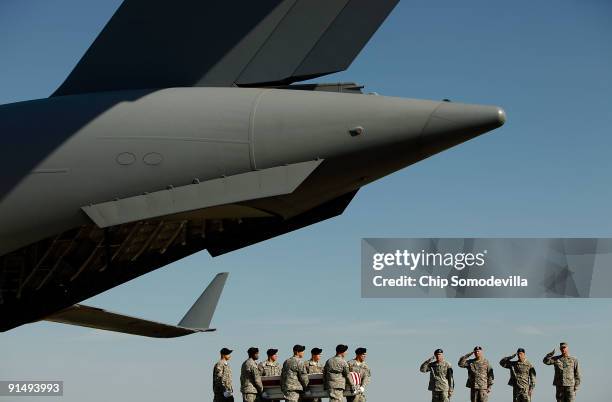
[(200, 314), (197, 319)]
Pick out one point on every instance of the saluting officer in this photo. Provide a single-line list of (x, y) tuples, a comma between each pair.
[(441, 381), (522, 376), (567, 373)]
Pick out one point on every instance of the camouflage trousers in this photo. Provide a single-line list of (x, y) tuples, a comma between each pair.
[(520, 395), (439, 396), (478, 395), (356, 398), (336, 395), (566, 394), (250, 398)]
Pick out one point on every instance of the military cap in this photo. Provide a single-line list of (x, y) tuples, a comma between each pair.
[(520, 350), (271, 352), (252, 351), (225, 351), (360, 351), (438, 352), (341, 348), (563, 345), (316, 351), (299, 348), (477, 348)]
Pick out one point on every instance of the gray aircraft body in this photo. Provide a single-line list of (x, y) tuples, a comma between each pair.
[(188, 133)]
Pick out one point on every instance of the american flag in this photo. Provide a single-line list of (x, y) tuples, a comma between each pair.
[(356, 378)]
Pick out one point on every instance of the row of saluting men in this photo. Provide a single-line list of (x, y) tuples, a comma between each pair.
[(522, 375), (338, 375), (353, 376)]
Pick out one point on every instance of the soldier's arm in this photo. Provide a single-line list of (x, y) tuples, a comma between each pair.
[(227, 381), (490, 377), (260, 368), (548, 359), (532, 377), (256, 378), (302, 374), (218, 375), (367, 374), (505, 362), (425, 366), (576, 375), (463, 361), (451, 380)]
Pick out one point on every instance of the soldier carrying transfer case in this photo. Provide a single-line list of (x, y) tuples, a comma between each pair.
[(294, 379), (270, 367), (441, 381), (567, 373), (336, 375), (222, 378), (480, 375), (313, 365), (522, 376), (358, 365), (250, 380)]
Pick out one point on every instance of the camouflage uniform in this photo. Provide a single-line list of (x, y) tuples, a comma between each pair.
[(480, 377), (522, 378), (441, 380), (222, 380), (313, 367), (268, 368), (567, 376), (336, 378), (250, 381), (294, 378), (365, 374)]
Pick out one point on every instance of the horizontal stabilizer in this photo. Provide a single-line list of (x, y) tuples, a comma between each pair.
[(158, 44), (227, 190), (197, 319)]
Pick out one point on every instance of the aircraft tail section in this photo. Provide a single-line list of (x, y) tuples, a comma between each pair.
[(197, 319)]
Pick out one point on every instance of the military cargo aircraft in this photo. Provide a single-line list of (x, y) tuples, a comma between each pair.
[(184, 128)]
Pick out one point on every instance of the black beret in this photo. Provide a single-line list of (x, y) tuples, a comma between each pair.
[(252, 350), (438, 352), (519, 350), (272, 352), (477, 348), (225, 351), (299, 348), (341, 348), (316, 351), (360, 351), (562, 345)]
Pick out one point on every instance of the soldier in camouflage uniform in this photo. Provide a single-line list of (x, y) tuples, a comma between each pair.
[(441, 381), (222, 378), (250, 380), (294, 379), (567, 373), (358, 365), (480, 375), (313, 366), (336, 375), (522, 376), (270, 366)]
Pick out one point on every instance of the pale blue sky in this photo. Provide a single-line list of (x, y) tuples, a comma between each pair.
[(545, 173)]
